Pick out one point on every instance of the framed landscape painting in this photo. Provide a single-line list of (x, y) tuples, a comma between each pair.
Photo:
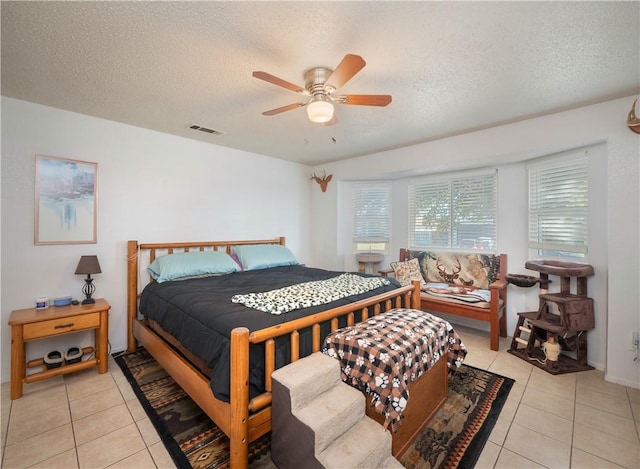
[(65, 201)]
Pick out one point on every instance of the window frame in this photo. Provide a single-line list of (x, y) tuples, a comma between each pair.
[(560, 172), (485, 239), (364, 238)]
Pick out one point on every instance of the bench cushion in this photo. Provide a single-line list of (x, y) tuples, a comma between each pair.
[(425, 296), (468, 295), (464, 269)]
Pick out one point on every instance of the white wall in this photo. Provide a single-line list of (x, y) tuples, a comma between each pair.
[(615, 214), (151, 187), (156, 187)]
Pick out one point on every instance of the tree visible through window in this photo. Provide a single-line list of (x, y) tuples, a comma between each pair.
[(455, 212)]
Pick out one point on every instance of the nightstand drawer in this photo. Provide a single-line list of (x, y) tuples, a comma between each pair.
[(37, 330)]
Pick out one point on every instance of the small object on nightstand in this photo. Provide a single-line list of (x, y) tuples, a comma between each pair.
[(88, 265), (63, 301), (75, 302)]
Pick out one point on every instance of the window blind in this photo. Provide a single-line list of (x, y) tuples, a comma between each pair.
[(372, 214), (558, 206), (454, 212)]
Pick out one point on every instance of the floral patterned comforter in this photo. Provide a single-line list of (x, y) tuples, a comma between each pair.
[(382, 355)]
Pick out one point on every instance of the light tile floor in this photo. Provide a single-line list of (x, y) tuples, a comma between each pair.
[(88, 420)]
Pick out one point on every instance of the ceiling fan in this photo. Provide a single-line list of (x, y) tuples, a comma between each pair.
[(320, 85)]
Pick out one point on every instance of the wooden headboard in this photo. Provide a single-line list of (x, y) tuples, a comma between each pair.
[(144, 254)]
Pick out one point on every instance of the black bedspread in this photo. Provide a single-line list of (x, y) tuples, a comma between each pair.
[(200, 314)]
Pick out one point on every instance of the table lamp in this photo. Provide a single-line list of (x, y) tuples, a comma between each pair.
[(88, 265)]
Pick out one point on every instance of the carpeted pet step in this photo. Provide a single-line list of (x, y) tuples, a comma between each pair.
[(308, 378), (332, 413), (365, 445), (319, 421)]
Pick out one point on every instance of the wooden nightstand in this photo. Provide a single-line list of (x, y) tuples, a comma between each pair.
[(32, 324)]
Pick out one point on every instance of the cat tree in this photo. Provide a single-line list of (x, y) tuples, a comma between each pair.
[(552, 330)]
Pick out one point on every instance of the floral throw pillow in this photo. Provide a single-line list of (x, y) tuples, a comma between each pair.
[(407, 271)]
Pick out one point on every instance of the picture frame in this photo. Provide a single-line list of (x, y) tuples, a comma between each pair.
[(65, 201)]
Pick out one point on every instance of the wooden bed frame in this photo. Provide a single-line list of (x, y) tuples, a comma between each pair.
[(244, 420)]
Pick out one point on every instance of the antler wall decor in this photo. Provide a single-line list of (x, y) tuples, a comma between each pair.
[(323, 180), (633, 122)]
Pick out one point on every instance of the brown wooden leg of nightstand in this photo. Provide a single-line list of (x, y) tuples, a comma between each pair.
[(18, 365), (102, 342)]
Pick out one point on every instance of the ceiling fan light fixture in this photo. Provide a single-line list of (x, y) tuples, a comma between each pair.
[(320, 111), (320, 85)]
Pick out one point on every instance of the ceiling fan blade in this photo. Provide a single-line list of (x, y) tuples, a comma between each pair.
[(289, 107), (350, 65), (278, 81), (364, 99)]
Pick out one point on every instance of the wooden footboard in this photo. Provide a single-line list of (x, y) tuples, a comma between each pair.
[(241, 419)]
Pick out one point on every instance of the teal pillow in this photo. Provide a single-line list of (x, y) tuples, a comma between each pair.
[(191, 264), (263, 256)]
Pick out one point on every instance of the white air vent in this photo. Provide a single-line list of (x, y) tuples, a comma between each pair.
[(206, 130)]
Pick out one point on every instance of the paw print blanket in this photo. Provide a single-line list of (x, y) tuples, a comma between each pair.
[(385, 353)]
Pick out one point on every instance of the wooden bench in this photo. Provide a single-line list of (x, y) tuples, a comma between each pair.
[(469, 271)]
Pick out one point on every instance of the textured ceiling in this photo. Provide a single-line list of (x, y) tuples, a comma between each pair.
[(451, 67)]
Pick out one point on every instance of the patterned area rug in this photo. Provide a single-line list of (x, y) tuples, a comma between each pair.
[(456, 435), (454, 438)]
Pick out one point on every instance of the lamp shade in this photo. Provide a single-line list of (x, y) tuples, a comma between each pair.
[(320, 111), (88, 265)]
